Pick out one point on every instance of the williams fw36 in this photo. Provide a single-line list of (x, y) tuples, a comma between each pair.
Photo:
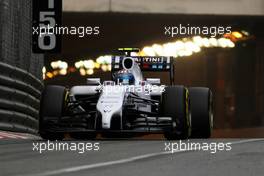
[(127, 105)]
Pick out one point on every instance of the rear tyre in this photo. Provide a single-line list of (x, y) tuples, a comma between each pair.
[(202, 112), (52, 106), (175, 104)]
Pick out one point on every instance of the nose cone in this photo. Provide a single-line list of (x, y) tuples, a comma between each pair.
[(110, 103), (106, 121)]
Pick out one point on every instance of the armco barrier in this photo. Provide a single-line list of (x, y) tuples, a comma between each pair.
[(20, 95)]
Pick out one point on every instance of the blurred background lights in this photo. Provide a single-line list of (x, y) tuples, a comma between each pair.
[(148, 51), (90, 72), (89, 64), (213, 42), (59, 65), (237, 34), (104, 59), (180, 48)]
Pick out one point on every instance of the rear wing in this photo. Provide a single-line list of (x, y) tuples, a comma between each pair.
[(147, 63)]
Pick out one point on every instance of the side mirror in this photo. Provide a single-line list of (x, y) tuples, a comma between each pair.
[(93, 81), (153, 81)]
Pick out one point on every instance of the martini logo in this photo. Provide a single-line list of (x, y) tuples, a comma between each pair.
[(148, 59), (153, 59)]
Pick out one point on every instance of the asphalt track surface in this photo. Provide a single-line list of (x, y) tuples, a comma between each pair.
[(132, 157)]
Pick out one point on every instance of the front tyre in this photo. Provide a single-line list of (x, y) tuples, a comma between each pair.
[(175, 104), (52, 106), (202, 112)]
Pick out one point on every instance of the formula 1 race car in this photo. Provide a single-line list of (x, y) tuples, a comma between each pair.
[(127, 104)]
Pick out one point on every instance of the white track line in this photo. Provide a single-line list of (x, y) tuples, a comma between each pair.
[(121, 161), (247, 141)]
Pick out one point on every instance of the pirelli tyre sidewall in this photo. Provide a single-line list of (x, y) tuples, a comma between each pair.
[(176, 104), (52, 106), (202, 112)]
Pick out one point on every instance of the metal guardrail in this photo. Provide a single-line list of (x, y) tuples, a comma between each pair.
[(20, 94)]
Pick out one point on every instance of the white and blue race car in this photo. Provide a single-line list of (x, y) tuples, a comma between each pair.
[(127, 104)]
